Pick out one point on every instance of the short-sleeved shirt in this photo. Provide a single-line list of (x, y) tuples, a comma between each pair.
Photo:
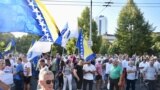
[(131, 76), (19, 68), (79, 70), (115, 72), (88, 76)]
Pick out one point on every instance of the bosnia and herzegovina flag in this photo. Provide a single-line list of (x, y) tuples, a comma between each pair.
[(50, 22), (29, 16), (85, 51), (9, 47)]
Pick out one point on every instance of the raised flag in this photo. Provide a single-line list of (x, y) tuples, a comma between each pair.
[(38, 48), (64, 37), (85, 51), (9, 47), (29, 16), (18, 16)]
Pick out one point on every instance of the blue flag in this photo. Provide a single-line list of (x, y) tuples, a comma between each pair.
[(18, 16), (64, 36), (85, 51)]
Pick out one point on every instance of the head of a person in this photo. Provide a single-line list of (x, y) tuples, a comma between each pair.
[(19, 60), (46, 80), (131, 63), (42, 62), (151, 61), (115, 62), (80, 62)]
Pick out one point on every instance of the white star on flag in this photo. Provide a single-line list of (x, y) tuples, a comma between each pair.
[(31, 4), (36, 11), (39, 17), (42, 24)]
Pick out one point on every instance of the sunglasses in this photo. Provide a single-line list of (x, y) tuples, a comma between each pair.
[(49, 81)]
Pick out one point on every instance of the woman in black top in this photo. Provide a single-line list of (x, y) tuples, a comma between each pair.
[(78, 73)]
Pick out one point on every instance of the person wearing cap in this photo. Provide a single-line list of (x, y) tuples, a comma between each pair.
[(88, 72), (115, 75)]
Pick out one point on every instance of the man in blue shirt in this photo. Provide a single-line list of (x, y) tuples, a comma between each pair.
[(18, 77)]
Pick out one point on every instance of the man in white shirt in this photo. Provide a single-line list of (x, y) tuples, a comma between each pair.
[(150, 74), (89, 71), (131, 75)]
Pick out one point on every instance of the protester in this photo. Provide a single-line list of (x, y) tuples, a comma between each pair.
[(115, 75), (67, 75), (19, 76), (150, 74), (78, 73), (88, 76), (131, 75), (3, 85), (99, 75), (46, 80), (27, 70)]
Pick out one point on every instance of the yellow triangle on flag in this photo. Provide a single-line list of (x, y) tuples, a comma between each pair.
[(53, 29)]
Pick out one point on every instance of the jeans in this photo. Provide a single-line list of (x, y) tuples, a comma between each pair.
[(86, 82), (69, 79)]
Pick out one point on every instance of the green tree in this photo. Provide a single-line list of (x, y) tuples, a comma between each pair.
[(84, 24), (156, 43), (23, 43), (104, 46), (71, 46), (5, 39), (133, 33)]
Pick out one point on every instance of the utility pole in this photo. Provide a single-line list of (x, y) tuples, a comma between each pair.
[(90, 32), (90, 42)]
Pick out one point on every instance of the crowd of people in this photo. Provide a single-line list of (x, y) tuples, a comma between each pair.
[(116, 72)]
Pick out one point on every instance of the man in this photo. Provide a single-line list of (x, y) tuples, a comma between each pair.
[(46, 80), (115, 75), (18, 76), (88, 72), (150, 74)]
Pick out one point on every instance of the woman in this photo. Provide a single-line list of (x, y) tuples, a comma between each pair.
[(78, 73), (67, 75)]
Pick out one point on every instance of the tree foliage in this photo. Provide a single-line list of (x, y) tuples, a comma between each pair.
[(104, 47), (4, 40), (133, 32), (23, 43)]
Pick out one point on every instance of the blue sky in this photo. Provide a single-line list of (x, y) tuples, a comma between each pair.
[(68, 13)]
